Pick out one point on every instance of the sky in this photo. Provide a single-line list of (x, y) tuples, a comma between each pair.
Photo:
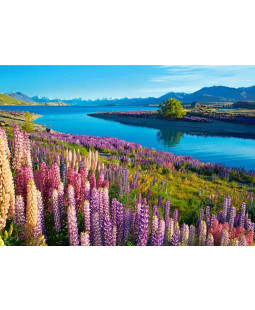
[(92, 82)]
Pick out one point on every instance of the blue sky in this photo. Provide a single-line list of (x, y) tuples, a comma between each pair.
[(91, 82)]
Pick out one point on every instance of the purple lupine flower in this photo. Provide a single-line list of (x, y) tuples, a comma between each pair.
[(114, 211), (94, 201), (85, 239), (210, 240), (207, 216), (175, 238), (108, 231), (120, 223), (56, 210), (72, 226), (20, 216), (95, 229), (143, 232), (127, 220), (71, 196), (192, 236), (229, 208), (232, 217), (175, 215), (201, 216), (86, 212), (61, 199), (100, 206)]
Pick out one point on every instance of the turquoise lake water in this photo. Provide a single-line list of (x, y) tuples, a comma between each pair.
[(233, 152)]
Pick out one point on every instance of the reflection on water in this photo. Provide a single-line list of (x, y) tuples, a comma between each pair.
[(169, 138)]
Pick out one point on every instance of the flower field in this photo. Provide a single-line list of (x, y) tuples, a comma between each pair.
[(64, 189)]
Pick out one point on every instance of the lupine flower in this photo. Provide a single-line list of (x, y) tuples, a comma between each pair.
[(224, 238), (108, 231), (175, 215), (202, 234), (56, 210), (85, 239), (175, 239), (40, 217), (31, 212), (143, 232), (72, 226), (96, 233), (127, 220), (86, 212), (192, 234), (242, 240), (120, 223), (20, 216), (210, 240), (7, 198), (232, 217), (61, 199)]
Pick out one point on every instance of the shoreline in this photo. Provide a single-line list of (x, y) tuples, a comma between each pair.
[(213, 128)]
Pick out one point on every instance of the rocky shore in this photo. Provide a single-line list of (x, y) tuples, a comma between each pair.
[(152, 120)]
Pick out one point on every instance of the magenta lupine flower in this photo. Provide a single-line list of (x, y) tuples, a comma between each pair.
[(224, 238), (92, 180), (100, 179), (192, 235), (175, 215), (210, 240), (61, 199), (55, 175), (40, 216), (232, 217), (85, 239), (72, 226), (56, 210), (108, 231), (86, 212), (95, 230), (143, 232), (20, 216), (71, 196), (120, 223)]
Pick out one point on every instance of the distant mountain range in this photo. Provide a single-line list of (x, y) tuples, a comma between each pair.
[(206, 95)]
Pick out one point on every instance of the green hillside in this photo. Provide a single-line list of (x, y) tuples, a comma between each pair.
[(7, 100)]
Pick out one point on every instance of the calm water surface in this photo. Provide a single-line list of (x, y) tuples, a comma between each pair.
[(233, 152)]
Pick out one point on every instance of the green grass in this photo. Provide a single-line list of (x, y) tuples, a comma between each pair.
[(8, 100)]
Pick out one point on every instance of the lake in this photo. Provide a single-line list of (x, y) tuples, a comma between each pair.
[(234, 152)]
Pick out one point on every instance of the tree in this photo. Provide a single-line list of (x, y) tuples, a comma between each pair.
[(171, 108), (28, 125)]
